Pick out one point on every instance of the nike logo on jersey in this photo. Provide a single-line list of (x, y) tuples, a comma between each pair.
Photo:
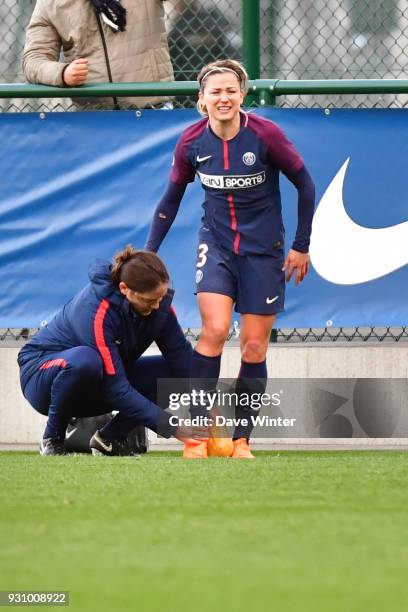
[(272, 300), (346, 253), (202, 159), (243, 181)]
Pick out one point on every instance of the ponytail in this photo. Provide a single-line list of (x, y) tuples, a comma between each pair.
[(141, 270)]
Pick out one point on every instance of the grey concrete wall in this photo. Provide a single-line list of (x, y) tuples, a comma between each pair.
[(20, 424)]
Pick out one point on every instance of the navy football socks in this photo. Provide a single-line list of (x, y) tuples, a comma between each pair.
[(251, 380), (205, 372)]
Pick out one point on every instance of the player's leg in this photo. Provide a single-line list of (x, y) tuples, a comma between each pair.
[(215, 310), (252, 377), (216, 290), (56, 387), (260, 298), (215, 287)]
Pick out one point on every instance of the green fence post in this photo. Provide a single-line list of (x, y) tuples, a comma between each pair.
[(266, 92), (251, 17), (251, 41)]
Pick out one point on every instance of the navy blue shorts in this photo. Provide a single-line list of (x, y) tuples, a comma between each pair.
[(256, 283)]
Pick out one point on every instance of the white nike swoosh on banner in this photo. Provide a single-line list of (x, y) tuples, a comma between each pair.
[(272, 300), (346, 253), (70, 433), (201, 159)]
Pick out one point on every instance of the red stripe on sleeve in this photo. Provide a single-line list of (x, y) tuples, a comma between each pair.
[(53, 363), (100, 337)]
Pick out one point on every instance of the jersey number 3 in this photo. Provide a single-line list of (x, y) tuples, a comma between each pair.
[(202, 257)]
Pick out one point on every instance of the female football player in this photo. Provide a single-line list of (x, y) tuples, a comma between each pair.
[(87, 360), (238, 157)]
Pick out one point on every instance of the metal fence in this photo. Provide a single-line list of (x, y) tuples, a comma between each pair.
[(343, 335), (299, 39), (328, 39)]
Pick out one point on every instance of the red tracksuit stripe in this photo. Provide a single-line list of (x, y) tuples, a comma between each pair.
[(100, 337), (53, 363), (231, 206)]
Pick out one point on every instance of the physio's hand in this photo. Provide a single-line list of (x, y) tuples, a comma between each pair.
[(76, 73), (185, 432), (298, 262)]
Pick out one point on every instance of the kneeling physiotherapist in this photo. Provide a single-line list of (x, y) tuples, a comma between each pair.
[(87, 360)]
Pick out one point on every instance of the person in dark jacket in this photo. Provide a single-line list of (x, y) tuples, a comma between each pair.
[(87, 360)]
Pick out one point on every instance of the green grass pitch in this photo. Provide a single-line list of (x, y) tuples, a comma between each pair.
[(308, 531)]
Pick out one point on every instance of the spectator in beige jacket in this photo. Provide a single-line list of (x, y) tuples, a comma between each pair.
[(73, 42)]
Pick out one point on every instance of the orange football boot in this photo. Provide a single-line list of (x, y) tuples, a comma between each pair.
[(219, 443), (195, 449), (220, 447), (242, 450)]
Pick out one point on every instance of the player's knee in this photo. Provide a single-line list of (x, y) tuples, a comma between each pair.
[(215, 333), (87, 364), (254, 351)]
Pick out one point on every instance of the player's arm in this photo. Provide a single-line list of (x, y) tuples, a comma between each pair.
[(306, 204), (182, 173), (284, 155), (297, 259), (164, 215)]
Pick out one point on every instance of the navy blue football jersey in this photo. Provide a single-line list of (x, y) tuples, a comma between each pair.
[(240, 177)]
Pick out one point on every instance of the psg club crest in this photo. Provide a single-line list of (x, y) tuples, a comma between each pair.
[(249, 158)]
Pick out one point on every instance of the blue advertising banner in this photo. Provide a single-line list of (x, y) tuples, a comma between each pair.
[(76, 186)]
